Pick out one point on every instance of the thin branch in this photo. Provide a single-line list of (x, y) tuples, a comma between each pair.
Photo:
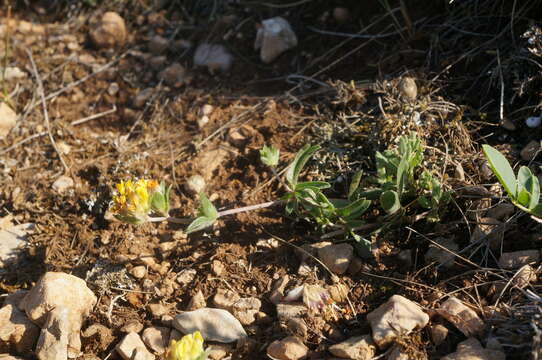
[(44, 105)]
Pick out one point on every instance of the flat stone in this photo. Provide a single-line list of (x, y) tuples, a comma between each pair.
[(157, 310), (218, 352), (336, 257), (138, 272), (471, 349), (156, 338), (517, 259), (54, 337), (213, 324), (355, 348), (186, 276), (438, 333), (132, 326), (132, 347), (462, 317), (397, 317), (289, 348)]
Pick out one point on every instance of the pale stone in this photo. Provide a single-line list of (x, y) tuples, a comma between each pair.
[(438, 333), (132, 347), (290, 348), (462, 317), (408, 89), (17, 332), (471, 349), (224, 299), (197, 302), (63, 183), (54, 337), (110, 31), (289, 311), (274, 37), (138, 272), (397, 317), (213, 56), (355, 348), (12, 240), (50, 294), (132, 326), (214, 324), (156, 338), (336, 257)]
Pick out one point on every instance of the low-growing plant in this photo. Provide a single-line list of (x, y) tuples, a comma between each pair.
[(523, 189), (397, 187)]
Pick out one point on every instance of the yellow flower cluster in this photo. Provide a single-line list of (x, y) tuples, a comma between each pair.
[(132, 203), (190, 347)]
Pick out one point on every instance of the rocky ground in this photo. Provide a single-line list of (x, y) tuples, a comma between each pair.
[(188, 92)]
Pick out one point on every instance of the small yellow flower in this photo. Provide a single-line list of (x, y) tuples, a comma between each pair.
[(132, 202), (190, 347)]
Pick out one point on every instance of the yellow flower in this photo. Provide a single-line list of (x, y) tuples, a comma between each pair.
[(190, 347), (132, 202)]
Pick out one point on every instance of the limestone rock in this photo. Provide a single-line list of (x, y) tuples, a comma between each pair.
[(463, 317), (17, 332), (156, 338), (213, 56), (214, 324), (62, 184), (471, 349), (69, 311), (336, 257), (290, 348), (131, 347), (355, 348), (110, 31), (54, 337), (274, 37), (197, 302), (224, 299), (397, 317), (12, 240)]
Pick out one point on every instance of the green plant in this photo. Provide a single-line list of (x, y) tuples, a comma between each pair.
[(523, 190)]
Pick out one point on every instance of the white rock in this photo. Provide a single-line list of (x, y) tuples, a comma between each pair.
[(224, 299), (12, 240), (50, 293), (274, 37), (471, 349), (290, 311), (63, 183), (13, 73), (17, 332), (197, 302), (8, 119), (186, 276), (214, 324), (138, 272), (195, 184), (397, 317), (131, 347), (156, 338), (355, 348), (533, 121), (290, 348), (461, 316), (213, 56), (336, 257), (438, 333), (113, 89), (54, 339), (110, 31)]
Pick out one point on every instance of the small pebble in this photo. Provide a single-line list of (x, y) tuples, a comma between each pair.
[(533, 121)]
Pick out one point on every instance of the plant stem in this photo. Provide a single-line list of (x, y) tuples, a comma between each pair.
[(220, 213)]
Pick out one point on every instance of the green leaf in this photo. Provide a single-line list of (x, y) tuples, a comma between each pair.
[(299, 162), (402, 176), (315, 185), (206, 208), (390, 201), (269, 156), (354, 184), (425, 202), (355, 209), (200, 223), (528, 188), (537, 211), (502, 169)]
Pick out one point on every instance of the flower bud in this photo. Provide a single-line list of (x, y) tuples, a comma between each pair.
[(189, 347)]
